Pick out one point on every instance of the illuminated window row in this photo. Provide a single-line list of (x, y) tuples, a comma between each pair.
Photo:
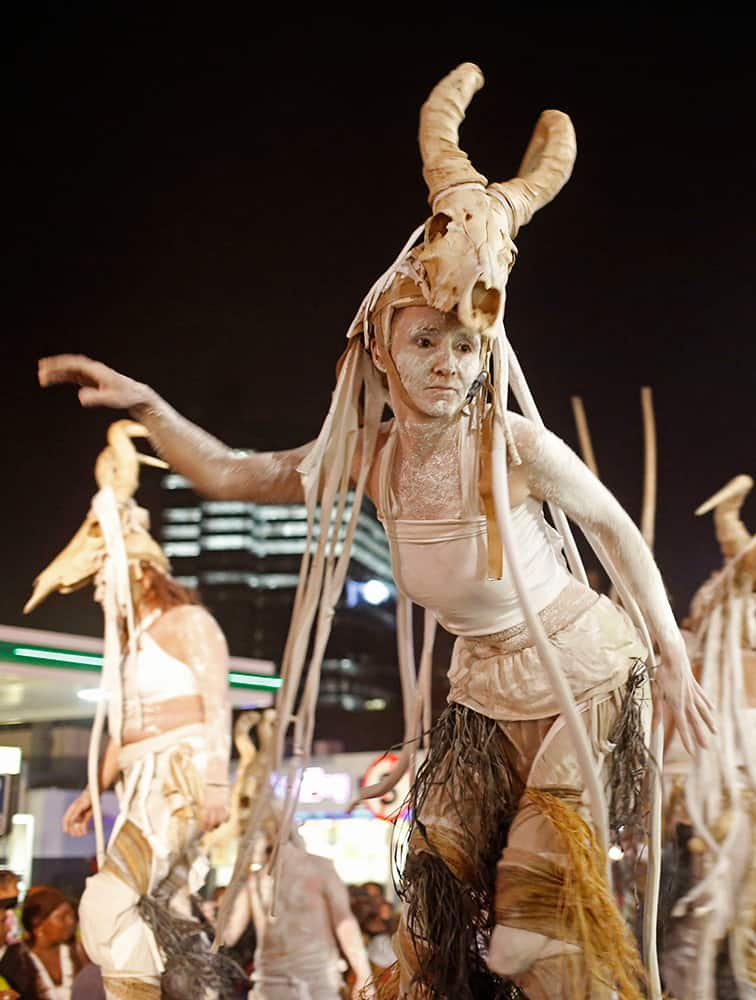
[(243, 543)]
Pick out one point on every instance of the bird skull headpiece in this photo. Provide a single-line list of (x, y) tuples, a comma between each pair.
[(117, 475)]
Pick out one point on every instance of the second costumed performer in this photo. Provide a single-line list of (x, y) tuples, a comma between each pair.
[(505, 878), (165, 684)]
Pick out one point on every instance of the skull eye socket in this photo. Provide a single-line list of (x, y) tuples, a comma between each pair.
[(438, 225), (485, 300)]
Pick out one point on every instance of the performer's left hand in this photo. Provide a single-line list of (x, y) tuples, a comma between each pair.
[(692, 710), (214, 807)]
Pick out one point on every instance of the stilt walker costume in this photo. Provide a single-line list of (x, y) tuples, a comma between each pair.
[(547, 677), (169, 729), (716, 790), (547, 682)]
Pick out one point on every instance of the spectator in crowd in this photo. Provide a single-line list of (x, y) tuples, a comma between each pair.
[(50, 924), (300, 948), (18, 977), (378, 921)]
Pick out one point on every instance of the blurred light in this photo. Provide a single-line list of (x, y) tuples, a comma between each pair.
[(10, 760), (57, 655), (616, 853), (375, 704), (254, 681), (91, 694), (375, 592), (49, 656)]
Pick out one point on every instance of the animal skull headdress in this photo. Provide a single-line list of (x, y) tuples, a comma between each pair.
[(113, 542), (468, 248), (117, 475)]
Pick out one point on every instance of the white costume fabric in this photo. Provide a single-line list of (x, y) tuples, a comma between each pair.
[(154, 841)]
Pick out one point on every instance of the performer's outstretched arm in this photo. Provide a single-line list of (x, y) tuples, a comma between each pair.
[(555, 473), (214, 469)]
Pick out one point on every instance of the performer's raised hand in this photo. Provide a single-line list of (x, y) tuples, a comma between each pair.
[(78, 815), (100, 385)]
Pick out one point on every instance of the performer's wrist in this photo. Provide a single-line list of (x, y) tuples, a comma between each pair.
[(145, 400)]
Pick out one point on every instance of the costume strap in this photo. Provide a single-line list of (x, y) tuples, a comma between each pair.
[(117, 606), (355, 412)]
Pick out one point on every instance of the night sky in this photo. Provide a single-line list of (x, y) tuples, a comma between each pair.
[(202, 201)]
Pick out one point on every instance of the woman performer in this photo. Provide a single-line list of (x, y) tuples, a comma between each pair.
[(165, 676), (546, 675)]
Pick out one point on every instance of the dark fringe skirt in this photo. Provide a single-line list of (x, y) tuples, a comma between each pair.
[(448, 880)]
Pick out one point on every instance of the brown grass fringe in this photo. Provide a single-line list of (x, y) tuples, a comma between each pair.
[(586, 910), (130, 989), (384, 986)]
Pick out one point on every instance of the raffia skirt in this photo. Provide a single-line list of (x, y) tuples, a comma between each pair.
[(500, 830)]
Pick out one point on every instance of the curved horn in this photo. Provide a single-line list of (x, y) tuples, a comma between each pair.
[(242, 738), (545, 168), (118, 464), (732, 534), (444, 163)]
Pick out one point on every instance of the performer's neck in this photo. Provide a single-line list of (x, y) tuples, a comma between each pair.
[(420, 436)]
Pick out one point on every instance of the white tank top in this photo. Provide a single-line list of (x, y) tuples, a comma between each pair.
[(442, 564), (160, 675)]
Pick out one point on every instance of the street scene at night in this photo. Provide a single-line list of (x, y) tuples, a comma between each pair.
[(379, 620)]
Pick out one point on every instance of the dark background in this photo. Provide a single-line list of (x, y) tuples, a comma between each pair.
[(202, 201)]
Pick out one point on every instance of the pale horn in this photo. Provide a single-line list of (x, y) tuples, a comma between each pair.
[(468, 249)]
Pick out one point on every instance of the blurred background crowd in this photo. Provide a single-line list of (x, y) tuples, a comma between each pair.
[(42, 958)]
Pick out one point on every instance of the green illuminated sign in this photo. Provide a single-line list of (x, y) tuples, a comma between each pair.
[(45, 656)]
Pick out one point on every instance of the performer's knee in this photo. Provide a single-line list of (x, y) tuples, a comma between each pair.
[(513, 950), (103, 901)]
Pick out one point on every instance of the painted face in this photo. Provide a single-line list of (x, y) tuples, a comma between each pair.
[(437, 359)]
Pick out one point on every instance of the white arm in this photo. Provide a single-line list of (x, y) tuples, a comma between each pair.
[(346, 929), (214, 469), (556, 474)]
